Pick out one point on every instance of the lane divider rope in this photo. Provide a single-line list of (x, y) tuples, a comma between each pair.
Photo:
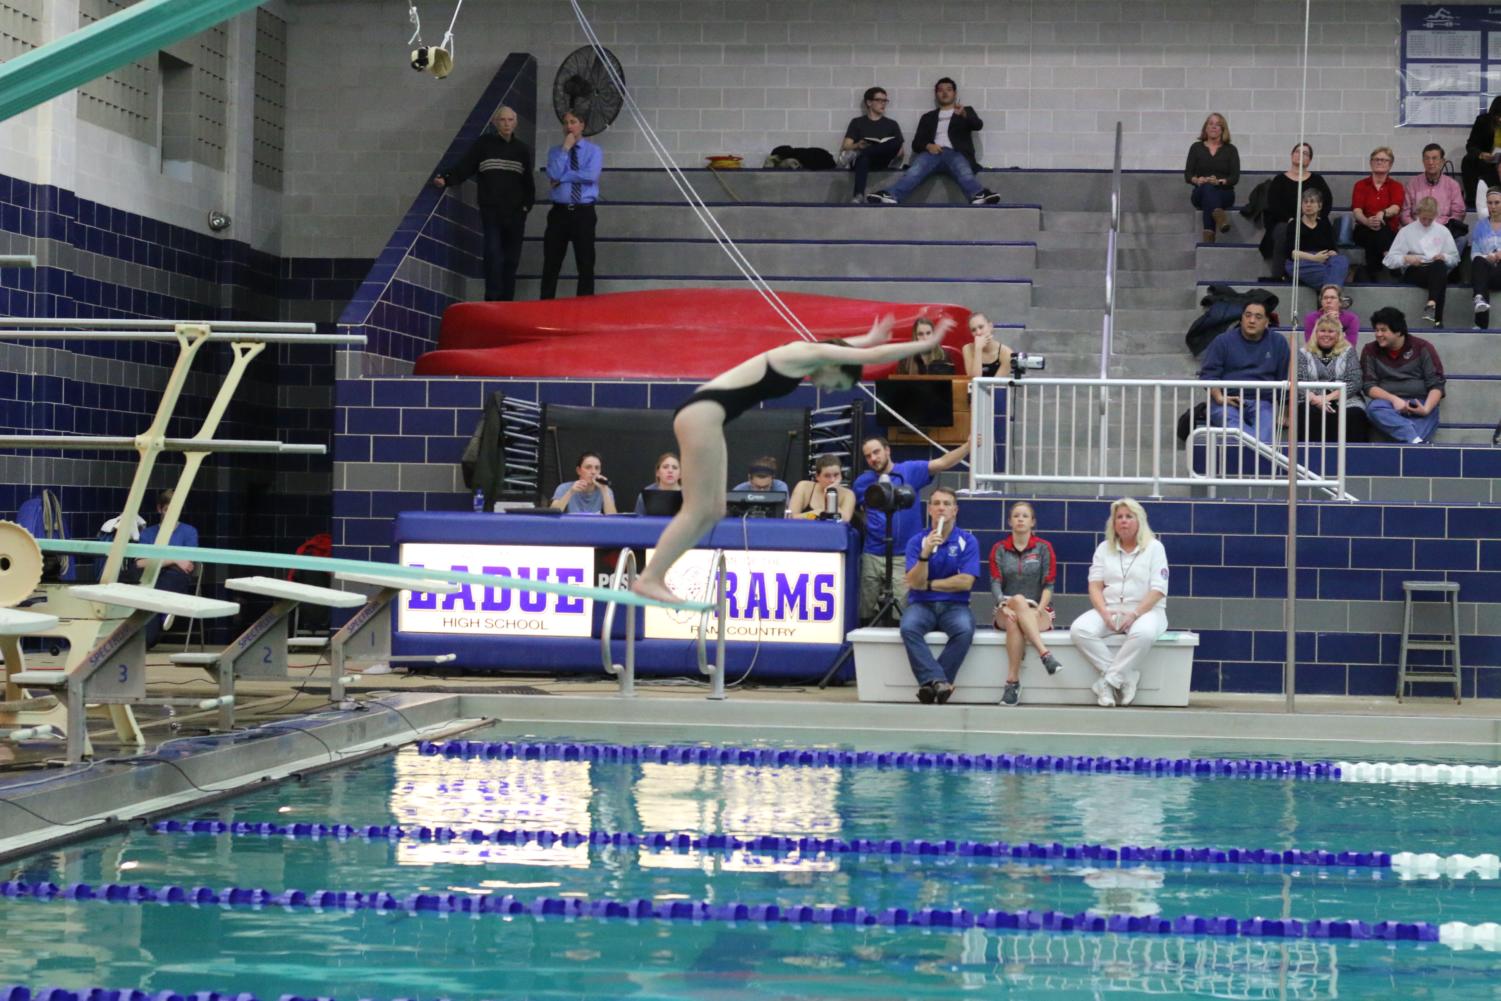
[(944, 761), (937, 918), (1031, 850)]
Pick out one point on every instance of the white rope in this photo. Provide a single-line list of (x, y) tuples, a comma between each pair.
[(447, 43), (705, 216), (415, 19)]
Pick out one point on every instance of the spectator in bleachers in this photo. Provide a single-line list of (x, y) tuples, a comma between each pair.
[(1213, 168), (984, 356), (1319, 261), (506, 194), (1127, 594), (1449, 202), (935, 362), (761, 477), (1332, 304), (942, 567), (872, 140), (590, 493), (1481, 156), (1376, 203), (1022, 571), (810, 497), (1402, 379), (666, 476), (573, 168), (944, 144), (1282, 201), (1485, 257), (1246, 353), (1425, 252), (1327, 357)]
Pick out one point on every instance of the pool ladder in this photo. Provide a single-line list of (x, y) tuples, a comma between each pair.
[(621, 579)]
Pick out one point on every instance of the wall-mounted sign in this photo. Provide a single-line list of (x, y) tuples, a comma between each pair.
[(482, 611), (1450, 63), (774, 596)]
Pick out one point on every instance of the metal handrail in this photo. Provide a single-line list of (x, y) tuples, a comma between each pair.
[(1111, 248), (721, 612), (620, 580), (1246, 440)]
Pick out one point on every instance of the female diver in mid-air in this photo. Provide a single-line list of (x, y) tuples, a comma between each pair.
[(699, 425)]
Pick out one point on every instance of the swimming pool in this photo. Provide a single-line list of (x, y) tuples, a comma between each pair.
[(392, 947)]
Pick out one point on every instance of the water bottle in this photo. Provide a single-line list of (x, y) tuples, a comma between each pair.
[(479, 501)]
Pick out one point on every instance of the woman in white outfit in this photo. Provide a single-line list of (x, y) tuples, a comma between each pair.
[(1128, 589)]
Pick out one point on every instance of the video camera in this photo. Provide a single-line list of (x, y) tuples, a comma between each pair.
[(1023, 362), (884, 495)]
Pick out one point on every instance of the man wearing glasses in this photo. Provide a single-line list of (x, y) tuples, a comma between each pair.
[(872, 141), (944, 144)]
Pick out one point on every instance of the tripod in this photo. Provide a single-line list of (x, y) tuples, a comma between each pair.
[(886, 610)]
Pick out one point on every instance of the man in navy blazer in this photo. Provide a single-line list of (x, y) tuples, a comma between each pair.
[(944, 143)]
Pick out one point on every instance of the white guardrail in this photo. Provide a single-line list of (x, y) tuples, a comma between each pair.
[(1123, 432)]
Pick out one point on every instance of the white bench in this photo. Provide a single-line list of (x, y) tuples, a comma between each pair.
[(882, 673)]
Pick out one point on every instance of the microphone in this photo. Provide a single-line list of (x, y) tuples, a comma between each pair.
[(941, 523), (602, 479)]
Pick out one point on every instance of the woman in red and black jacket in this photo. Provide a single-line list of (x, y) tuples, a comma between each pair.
[(1022, 571)]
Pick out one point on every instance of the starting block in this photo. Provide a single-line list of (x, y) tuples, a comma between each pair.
[(365, 640), (260, 652)]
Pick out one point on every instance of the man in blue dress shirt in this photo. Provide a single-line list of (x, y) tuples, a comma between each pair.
[(573, 167)]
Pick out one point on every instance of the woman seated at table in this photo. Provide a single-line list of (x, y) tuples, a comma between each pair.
[(1328, 358), (810, 497), (1127, 592), (668, 472), (935, 362), (1332, 304), (1022, 571), (985, 356), (1317, 256)]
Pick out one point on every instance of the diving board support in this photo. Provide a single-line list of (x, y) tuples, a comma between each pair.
[(260, 651), (365, 640)]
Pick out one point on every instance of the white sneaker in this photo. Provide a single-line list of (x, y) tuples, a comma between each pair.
[(1128, 691), (1481, 306), (1103, 693), (879, 198)]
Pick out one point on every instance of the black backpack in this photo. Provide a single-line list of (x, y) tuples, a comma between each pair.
[(802, 158)]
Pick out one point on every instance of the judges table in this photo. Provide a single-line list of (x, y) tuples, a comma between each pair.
[(793, 593)]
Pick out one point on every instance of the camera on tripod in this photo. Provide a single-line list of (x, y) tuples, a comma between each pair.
[(884, 495), (1023, 362)]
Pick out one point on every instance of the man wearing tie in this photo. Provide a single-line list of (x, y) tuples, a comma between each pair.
[(573, 166)]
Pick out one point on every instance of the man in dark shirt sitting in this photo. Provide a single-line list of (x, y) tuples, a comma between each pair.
[(1404, 380), (873, 139), (944, 143), (506, 194)]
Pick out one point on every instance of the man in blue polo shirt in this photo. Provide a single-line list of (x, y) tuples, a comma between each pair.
[(942, 568), (915, 473)]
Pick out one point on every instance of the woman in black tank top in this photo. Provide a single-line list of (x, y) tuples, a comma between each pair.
[(978, 357), (699, 425)]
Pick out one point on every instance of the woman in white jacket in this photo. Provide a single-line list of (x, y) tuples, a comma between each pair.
[(1425, 253), (1128, 592)]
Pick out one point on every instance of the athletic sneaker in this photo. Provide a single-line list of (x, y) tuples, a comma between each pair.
[(926, 694), (943, 690), (985, 197), (1050, 662), (1428, 312), (1013, 693), (1481, 305), (858, 200), (879, 198), (1128, 692), (1104, 695)]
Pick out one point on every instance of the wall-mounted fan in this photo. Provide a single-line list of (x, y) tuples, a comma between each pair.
[(583, 86)]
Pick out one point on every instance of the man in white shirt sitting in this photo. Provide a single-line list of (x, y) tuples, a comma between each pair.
[(944, 143)]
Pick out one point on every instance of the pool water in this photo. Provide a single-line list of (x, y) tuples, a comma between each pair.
[(346, 955)]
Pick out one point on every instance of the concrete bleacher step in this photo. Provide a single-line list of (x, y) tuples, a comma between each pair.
[(834, 258), (1081, 296), (1132, 223), (1150, 243), (1006, 300), (813, 222), (1144, 320), (1091, 259), (1095, 278)]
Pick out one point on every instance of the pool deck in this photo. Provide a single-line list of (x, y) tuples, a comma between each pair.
[(290, 729)]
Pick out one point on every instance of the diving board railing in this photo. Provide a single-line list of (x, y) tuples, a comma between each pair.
[(721, 612), (1119, 432), (621, 580)]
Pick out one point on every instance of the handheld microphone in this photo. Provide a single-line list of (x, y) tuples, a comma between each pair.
[(941, 523), (602, 479)]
